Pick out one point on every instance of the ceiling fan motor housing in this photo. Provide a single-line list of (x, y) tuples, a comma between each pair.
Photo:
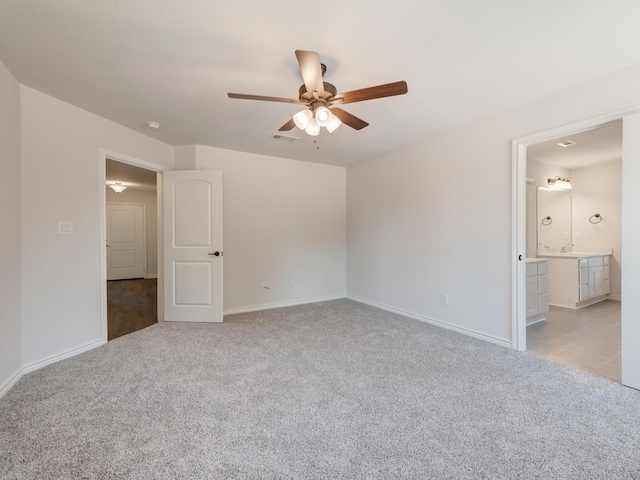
[(330, 91)]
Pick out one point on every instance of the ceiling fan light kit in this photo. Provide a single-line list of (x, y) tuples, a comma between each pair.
[(319, 98), (323, 116), (302, 118), (312, 128)]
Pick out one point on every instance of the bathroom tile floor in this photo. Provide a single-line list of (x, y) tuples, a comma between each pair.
[(588, 339)]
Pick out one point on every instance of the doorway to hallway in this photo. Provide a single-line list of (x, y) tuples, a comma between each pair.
[(131, 249)]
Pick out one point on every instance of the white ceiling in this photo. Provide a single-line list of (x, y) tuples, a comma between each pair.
[(174, 62), (593, 147)]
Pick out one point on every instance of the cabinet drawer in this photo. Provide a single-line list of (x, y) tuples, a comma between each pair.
[(543, 268), (595, 261), (543, 284), (583, 276), (583, 263), (532, 269)]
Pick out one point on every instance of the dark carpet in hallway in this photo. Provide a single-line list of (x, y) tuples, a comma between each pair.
[(131, 305)]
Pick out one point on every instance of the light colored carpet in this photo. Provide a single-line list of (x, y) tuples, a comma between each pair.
[(328, 390)]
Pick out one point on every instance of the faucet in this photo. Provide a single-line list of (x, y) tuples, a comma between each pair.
[(564, 247)]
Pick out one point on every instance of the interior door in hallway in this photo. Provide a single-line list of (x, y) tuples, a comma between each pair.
[(192, 224), (126, 255)]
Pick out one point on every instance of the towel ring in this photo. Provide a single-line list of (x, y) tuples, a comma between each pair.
[(598, 218), (547, 220)]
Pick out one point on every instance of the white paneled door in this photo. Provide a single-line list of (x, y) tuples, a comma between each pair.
[(126, 253), (630, 251), (192, 218)]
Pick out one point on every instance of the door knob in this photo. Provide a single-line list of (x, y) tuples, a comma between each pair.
[(217, 254)]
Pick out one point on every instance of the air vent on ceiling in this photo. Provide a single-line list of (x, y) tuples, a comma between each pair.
[(567, 143), (283, 138)]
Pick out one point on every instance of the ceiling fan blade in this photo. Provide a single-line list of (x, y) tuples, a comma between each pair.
[(287, 126), (347, 118), (311, 70), (380, 91), (264, 98)]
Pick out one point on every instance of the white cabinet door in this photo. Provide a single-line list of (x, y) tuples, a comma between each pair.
[(532, 296), (596, 282), (192, 217)]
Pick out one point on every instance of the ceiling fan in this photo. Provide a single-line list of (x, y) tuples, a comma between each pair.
[(321, 98)]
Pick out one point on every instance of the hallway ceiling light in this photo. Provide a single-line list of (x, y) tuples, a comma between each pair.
[(567, 143), (559, 183), (117, 187)]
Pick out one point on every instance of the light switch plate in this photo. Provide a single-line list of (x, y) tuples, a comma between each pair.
[(65, 228)]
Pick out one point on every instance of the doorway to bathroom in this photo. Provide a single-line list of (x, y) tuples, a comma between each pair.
[(562, 225), (630, 234)]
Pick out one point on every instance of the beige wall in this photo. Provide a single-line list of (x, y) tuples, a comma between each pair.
[(61, 180), (598, 189), (595, 189), (436, 217), (150, 201), (10, 271), (284, 220)]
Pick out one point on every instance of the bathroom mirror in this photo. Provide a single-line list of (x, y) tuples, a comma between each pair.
[(554, 218)]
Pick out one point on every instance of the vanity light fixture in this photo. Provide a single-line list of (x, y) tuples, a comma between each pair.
[(117, 187), (559, 183)]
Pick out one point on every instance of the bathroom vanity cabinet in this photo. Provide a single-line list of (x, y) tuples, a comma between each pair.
[(578, 281), (537, 289)]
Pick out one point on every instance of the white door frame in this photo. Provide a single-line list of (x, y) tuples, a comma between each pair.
[(120, 157), (518, 213)]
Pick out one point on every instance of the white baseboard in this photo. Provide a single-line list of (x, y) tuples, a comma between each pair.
[(615, 298), (62, 356), (151, 275), (267, 306), (13, 379), (439, 323)]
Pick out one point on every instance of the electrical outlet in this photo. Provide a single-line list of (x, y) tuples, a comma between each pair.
[(444, 299), (578, 235)]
